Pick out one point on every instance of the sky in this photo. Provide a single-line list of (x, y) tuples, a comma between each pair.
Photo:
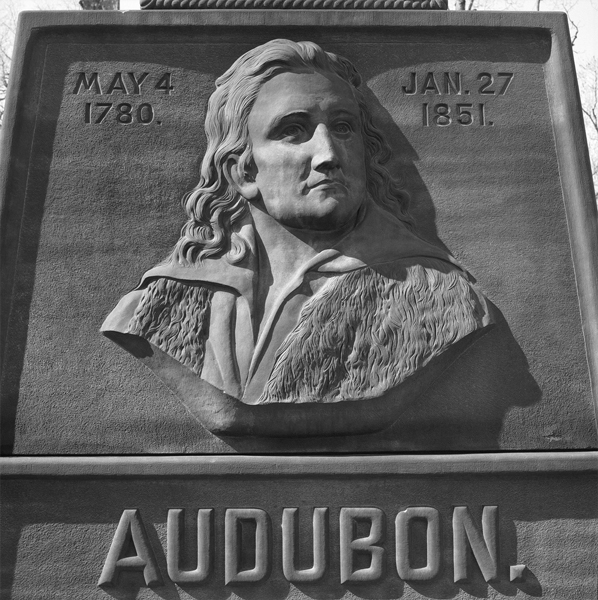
[(61, 4), (32, 4)]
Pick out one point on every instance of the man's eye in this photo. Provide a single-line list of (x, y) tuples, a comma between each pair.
[(292, 131), (343, 128)]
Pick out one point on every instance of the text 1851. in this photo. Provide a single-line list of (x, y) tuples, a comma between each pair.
[(443, 115), (124, 113)]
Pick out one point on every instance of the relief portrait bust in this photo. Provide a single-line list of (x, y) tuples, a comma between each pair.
[(300, 298)]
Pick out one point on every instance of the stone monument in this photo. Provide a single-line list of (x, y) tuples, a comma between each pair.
[(356, 363)]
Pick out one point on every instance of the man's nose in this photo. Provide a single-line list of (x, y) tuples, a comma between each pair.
[(325, 156)]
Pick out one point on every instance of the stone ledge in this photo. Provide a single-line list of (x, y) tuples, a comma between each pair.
[(226, 466)]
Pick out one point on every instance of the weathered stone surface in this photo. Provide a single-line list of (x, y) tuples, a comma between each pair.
[(539, 537), (93, 205), (103, 137)]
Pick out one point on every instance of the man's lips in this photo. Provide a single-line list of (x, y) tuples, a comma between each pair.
[(326, 183)]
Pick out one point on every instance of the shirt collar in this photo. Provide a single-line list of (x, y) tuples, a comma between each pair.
[(378, 238)]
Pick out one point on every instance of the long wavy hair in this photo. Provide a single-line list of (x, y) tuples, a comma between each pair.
[(214, 208)]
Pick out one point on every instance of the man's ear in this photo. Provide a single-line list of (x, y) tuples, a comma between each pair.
[(239, 179)]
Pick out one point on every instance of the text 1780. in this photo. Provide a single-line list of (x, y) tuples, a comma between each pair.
[(124, 113)]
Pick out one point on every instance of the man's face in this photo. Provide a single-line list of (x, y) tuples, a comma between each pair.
[(308, 151)]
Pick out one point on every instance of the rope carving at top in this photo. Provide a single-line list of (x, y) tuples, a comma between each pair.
[(299, 4)]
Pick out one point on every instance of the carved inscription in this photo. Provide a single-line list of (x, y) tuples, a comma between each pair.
[(175, 542), (369, 544), (444, 114), (124, 113), (404, 522), (233, 534), (248, 546), (118, 85), (131, 532), (290, 543), (484, 545)]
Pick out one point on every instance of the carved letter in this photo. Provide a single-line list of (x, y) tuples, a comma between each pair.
[(131, 530), (432, 543), (174, 543), (348, 545), (517, 573), (137, 83), (233, 545), (450, 84), (430, 84), (412, 85), (484, 547), (117, 84), (289, 545), (87, 83)]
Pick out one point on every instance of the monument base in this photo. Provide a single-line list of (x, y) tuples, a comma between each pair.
[(483, 525)]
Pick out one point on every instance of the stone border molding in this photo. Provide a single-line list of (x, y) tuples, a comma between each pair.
[(296, 4), (290, 466)]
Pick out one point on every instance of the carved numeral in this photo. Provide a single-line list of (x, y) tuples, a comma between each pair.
[(442, 112), (508, 78), (464, 117), (106, 106), (488, 80), (145, 113), (165, 83), (125, 113), (482, 115), (443, 115)]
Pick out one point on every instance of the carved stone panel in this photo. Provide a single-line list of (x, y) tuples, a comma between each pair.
[(256, 527), (303, 246), (385, 241)]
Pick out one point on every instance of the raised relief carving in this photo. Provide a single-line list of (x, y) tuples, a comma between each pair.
[(131, 532), (300, 291), (252, 551), (290, 545), (234, 540), (350, 544), (484, 544), (517, 573), (403, 522), (174, 541)]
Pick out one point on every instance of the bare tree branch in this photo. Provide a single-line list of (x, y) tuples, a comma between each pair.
[(588, 88), (575, 30), (8, 24), (566, 6), (589, 91)]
